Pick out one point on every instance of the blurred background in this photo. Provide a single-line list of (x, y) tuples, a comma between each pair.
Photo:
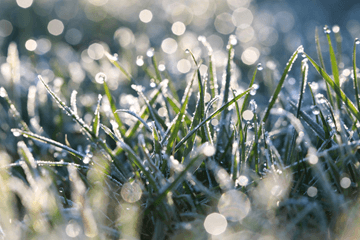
[(78, 31), (65, 41)]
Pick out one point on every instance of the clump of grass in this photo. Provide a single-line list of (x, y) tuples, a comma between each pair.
[(281, 171)]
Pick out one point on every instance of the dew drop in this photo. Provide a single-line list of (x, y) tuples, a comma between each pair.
[(161, 67), (357, 41), (327, 29), (100, 77), (315, 110), (152, 84), (260, 67), (150, 52), (61, 190), (187, 51), (232, 40), (253, 105), (3, 92), (140, 60), (202, 39), (16, 132)]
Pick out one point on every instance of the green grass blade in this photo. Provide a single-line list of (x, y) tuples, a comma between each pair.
[(316, 127), (96, 123), (318, 49), (175, 128), (156, 67), (199, 111), (304, 75), (68, 110), (350, 105), (135, 115), (18, 132), (215, 113), (139, 90), (143, 113), (356, 42), (280, 84), (246, 99), (115, 62), (14, 112), (113, 108), (334, 67), (179, 177)]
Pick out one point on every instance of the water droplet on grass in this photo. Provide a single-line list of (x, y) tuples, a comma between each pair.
[(16, 132), (357, 41), (100, 77), (150, 52), (260, 67), (3, 92), (315, 110), (232, 40), (253, 105), (140, 60), (152, 84), (327, 29), (202, 39), (187, 50)]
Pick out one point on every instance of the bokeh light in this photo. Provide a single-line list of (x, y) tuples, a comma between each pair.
[(250, 55), (242, 18), (55, 27), (96, 51), (73, 36), (145, 16), (178, 28), (312, 191), (131, 192), (183, 66), (24, 3), (30, 45), (234, 205), (345, 182), (169, 45), (215, 224), (6, 28), (248, 115), (224, 23)]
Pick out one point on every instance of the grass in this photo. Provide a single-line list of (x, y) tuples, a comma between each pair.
[(284, 170)]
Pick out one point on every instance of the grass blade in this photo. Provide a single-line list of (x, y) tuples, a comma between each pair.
[(280, 84), (246, 99), (318, 49), (356, 42), (334, 66), (350, 105), (113, 108), (39, 138), (96, 123), (175, 128), (115, 62), (137, 116), (215, 113)]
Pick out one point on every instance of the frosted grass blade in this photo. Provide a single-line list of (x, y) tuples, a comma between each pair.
[(113, 108), (355, 75), (318, 49), (48, 141), (215, 113), (280, 84), (334, 67), (175, 128), (96, 123), (136, 116), (350, 105)]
